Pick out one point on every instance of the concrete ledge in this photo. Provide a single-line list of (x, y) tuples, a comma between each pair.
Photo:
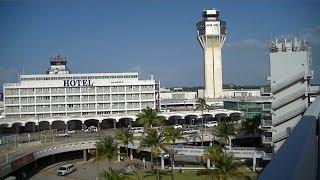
[(29, 144)]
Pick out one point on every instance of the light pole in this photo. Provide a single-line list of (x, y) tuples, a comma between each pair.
[(97, 158), (38, 127)]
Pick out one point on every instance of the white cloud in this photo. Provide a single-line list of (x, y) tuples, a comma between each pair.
[(246, 43), (312, 35)]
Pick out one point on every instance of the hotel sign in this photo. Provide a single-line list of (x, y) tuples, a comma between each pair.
[(16, 164), (77, 83)]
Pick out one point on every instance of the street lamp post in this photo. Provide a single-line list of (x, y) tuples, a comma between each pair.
[(97, 158), (38, 127)]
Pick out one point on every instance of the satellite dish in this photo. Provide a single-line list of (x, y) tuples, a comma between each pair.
[(55, 71)]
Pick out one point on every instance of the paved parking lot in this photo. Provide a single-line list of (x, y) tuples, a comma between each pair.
[(88, 170), (85, 170)]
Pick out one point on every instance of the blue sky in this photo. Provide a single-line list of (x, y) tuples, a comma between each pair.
[(150, 36)]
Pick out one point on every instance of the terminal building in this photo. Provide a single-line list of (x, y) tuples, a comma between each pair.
[(60, 93), (178, 99)]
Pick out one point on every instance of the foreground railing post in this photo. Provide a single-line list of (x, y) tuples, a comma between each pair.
[(254, 162), (119, 154), (208, 163), (162, 161)]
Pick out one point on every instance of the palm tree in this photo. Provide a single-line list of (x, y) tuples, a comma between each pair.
[(201, 105), (224, 131), (155, 142), (106, 148), (226, 166), (213, 152), (125, 137), (149, 117), (252, 125), (171, 135)]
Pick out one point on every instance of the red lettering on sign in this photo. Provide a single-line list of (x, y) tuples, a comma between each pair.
[(18, 163)]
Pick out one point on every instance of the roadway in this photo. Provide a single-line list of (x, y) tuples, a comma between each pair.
[(75, 142)]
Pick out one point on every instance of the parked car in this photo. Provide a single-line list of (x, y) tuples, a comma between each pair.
[(190, 131), (177, 126), (166, 156), (71, 131), (63, 134), (243, 161), (91, 129), (192, 126), (136, 129), (158, 129), (66, 169), (211, 124)]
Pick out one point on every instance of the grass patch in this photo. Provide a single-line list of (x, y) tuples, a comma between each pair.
[(165, 175), (185, 175)]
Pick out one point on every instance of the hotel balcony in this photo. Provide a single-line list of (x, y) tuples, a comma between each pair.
[(24, 93), (130, 98), (132, 89), (62, 91), (62, 100), (103, 107), (117, 89), (42, 101), (147, 89)]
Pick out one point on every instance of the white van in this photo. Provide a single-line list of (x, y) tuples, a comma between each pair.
[(91, 129), (66, 169), (136, 129), (211, 124)]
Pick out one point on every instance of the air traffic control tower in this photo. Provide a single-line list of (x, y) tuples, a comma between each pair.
[(211, 36)]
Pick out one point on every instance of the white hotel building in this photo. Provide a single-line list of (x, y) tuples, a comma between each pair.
[(60, 93), (59, 100)]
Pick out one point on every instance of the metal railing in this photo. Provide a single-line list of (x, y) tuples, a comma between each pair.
[(298, 158)]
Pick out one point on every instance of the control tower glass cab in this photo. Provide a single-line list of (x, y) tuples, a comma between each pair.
[(58, 65), (211, 34), (211, 25)]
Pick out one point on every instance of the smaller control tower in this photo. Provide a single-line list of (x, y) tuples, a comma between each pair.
[(211, 36), (58, 65)]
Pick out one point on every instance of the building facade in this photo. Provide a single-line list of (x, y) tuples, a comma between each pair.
[(251, 106), (290, 75), (60, 93)]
